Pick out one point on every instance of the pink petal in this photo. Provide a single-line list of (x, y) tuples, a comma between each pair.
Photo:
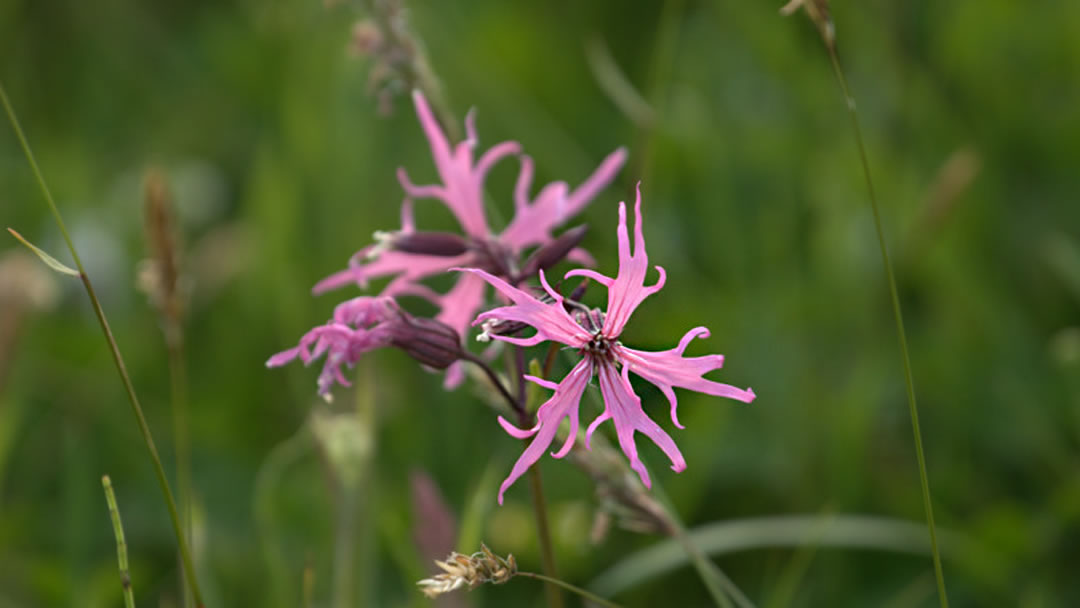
[(602, 418), (517, 433), (628, 289), (460, 304), (454, 376), (548, 384), (578, 255), (564, 403), (430, 191), (533, 222), (283, 357), (462, 182), (440, 147), (591, 274), (409, 267), (341, 344), (550, 320), (625, 410), (604, 175), (669, 368), (494, 155)]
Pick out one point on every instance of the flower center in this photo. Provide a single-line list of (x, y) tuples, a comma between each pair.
[(600, 348)]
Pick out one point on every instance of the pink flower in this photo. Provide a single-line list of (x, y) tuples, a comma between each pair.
[(595, 335), (364, 324), (409, 256)]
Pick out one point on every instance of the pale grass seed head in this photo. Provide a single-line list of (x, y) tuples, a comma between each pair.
[(469, 570)]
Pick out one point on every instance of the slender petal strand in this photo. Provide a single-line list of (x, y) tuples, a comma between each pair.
[(624, 408), (462, 187), (563, 404), (628, 289), (551, 320), (533, 223), (669, 368), (411, 267)]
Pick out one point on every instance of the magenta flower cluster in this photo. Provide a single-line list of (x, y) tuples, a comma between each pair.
[(462, 192), (483, 257)]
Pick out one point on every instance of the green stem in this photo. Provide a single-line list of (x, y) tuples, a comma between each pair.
[(181, 432), (588, 595), (536, 485), (121, 544), (909, 383), (159, 470), (547, 553)]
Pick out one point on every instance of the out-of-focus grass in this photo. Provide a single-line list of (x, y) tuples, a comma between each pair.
[(282, 168)]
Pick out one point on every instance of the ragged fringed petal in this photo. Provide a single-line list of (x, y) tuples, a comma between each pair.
[(462, 187), (407, 268), (563, 404), (341, 344), (628, 288), (555, 204), (550, 319), (669, 368), (363, 311), (460, 304), (624, 408)]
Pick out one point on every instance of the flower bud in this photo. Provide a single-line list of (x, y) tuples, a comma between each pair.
[(554, 252), (430, 342), (493, 257), (445, 244)]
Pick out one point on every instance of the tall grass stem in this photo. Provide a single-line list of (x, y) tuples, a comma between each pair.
[(901, 336), (118, 359)]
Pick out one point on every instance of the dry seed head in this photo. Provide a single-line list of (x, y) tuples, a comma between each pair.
[(469, 570), (160, 275), (818, 11)]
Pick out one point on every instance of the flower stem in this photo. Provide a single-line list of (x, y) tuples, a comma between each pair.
[(588, 595), (909, 383), (159, 470), (121, 544), (536, 485), (547, 553), (494, 378)]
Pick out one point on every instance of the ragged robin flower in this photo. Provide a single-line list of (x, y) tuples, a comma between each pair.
[(364, 324), (408, 256), (595, 335)]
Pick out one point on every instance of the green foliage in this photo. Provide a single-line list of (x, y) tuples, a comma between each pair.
[(282, 166)]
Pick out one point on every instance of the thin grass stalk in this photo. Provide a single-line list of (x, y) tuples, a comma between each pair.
[(900, 333), (181, 439), (588, 595), (144, 428), (121, 544)]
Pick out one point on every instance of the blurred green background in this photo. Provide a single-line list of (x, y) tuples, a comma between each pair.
[(282, 164)]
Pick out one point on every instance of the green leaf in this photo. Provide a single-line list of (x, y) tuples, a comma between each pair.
[(839, 531), (50, 261)]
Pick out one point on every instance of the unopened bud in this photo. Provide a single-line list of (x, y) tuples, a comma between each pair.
[(493, 257), (446, 244), (554, 252), (430, 342)]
